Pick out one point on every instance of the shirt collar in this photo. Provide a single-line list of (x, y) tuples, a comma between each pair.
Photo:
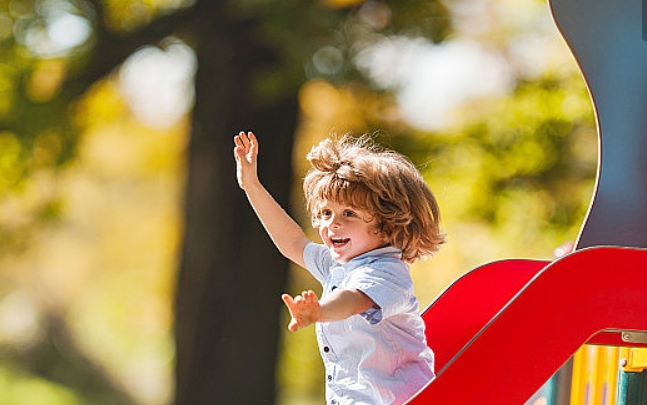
[(379, 253)]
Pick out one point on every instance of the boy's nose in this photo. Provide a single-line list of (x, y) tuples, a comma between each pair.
[(334, 221)]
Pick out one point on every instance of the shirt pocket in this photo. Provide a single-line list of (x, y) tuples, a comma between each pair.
[(337, 275)]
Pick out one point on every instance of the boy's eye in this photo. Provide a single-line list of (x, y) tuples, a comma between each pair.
[(349, 213), (326, 213)]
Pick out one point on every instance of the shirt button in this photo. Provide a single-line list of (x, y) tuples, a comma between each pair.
[(326, 349), (333, 402), (329, 377)]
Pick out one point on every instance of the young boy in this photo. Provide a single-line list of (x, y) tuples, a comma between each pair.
[(374, 213)]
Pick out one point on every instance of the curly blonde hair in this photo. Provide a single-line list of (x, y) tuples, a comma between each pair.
[(384, 183)]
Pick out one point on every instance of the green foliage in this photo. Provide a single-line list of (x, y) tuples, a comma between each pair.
[(529, 144), (24, 390), (540, 141), (37, 135), (328, 39), (420, 18)]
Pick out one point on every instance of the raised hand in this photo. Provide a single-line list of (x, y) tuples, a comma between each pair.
[(246, 153)]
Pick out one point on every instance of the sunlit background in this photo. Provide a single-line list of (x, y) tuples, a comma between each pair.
[(496, 115)]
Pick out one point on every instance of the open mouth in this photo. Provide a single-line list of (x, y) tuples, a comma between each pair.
[(339, 242)]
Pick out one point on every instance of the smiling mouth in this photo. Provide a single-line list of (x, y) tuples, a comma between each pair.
[(339, 242)]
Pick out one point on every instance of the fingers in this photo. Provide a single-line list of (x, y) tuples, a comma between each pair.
[(241, 140), (306, 297), (290, 303), (288, 300), (293, 326), (239, 149), (301, 309), (246, 146), (245, 140), (302, 302), (309, 296)]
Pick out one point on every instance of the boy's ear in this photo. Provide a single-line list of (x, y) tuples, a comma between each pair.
[(386, 229)]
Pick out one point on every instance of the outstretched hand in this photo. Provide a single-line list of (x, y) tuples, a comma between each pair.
[(246, 153), (304, 309)]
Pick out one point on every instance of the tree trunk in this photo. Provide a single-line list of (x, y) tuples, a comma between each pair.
[(231, 276)]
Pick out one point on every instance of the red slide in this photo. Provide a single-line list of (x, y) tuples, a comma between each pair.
[(503, 329)]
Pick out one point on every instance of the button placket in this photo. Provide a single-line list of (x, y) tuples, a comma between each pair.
[(338, 273), (327, 351), (337, 277)]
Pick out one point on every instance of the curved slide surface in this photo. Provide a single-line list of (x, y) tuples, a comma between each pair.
[(562, 305)]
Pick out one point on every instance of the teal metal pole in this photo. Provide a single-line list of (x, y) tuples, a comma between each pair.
[(631, 388)]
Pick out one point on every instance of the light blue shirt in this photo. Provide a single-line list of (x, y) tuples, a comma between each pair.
[(380, 356)]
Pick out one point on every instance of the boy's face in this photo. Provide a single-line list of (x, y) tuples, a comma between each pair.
[(348, 232)]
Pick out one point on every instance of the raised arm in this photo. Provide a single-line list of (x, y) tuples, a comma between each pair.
[(286, 234)]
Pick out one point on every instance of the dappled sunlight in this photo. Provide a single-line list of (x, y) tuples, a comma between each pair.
[(52, 28), (431, 81), (158, 83), (19, 319)]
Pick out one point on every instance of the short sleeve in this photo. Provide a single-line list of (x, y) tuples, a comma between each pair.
[(388, 284), (318, 261)]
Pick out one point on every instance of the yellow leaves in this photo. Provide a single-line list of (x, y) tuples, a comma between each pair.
[(22, 199), (321, 100), (6, 90), (338, 4), (123, 221), (128, 15), (46, 149), (329, 109), (101, 104), (109, 262), (525, 157), (6, 25), (46, 79), (10, 158)]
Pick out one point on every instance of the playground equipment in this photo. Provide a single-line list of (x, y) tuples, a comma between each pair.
[(520, 344), (502, 330)]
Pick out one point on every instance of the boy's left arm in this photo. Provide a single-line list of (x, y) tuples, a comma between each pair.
[(306, 309)]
